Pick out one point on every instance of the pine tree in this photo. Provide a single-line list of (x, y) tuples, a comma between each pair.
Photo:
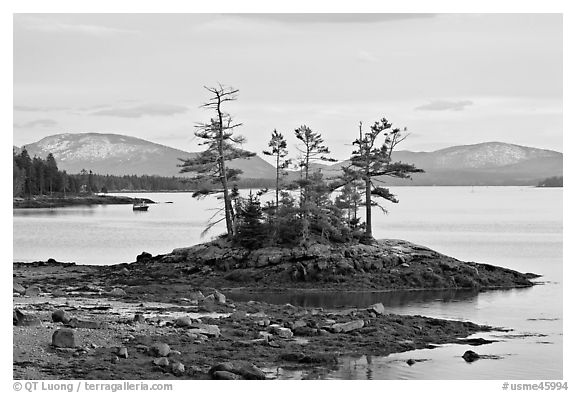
[(279, 150), (220, 142), (312, 149), (370, 161), (251, 232)]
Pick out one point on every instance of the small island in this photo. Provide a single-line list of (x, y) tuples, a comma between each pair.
[(174, 315)]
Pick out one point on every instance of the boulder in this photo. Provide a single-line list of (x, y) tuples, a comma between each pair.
[(18, 288), (225, 375), (21, 319), (284, 332), (58, 293), (224, 366), (183, 321), (160, 349), (250, 371), (64, 338), (33, 291), (205, 329), (347, 326), (139, 318), (86, 324), (196, 295), (470, 356), (119, 292), (143, 257), (60, 316), (162, 362), (122, 352), (378, 308), (219, 296), (299, 323), (178, 368)]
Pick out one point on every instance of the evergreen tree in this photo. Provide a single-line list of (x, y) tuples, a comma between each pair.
[(220, 142), (279, 150), (370, 161), (251, 232), (312, 149)]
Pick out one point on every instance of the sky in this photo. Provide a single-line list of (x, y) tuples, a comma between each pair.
[(451, 79)]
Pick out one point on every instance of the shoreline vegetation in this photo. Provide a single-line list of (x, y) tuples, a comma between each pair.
[(46, 201), (168, 316)]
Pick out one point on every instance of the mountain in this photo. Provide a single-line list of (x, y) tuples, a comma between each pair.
[(125, 155), (491, 163)]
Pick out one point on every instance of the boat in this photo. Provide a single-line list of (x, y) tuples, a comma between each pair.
[(140, 206)]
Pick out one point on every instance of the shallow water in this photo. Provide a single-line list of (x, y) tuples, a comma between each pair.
[(515, 227)]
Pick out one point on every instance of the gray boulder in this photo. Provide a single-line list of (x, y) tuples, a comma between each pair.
[(18, 288), (64, 338), (60, 316), (347, 326), (160, 349)]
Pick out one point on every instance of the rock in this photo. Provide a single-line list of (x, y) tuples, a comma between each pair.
[(142, 347), (122, 352), (220, 298), (344, 266), (224, 366), (299, 323), (208, 330), (470, 356), (174, 352), (178, 368), (86, 324), (18, 288), (347, 326), (284, 333), (114, 359), (33, 291), (404, 265), (411, 362), (266, 335), (250, 371), (196, 295), (209, 298), (117, 292), (58, 293), (124, 271), (64, 338), (305, 331), (225, 375), (162, 362), (184, 321), (378, 308), (143, 257), (160, 349), (60, 316), (139, 318), (264, 322), (237, 315), (21, 319)]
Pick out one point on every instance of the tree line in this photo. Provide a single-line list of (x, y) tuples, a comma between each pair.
[(303, 211), (36, 176)]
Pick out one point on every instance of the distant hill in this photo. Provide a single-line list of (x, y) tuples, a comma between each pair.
[(490, 163), (124, 155)]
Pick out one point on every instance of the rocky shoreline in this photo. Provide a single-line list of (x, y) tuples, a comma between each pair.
[(167, 317), (46, 201)]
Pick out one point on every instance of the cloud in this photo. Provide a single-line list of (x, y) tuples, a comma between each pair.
[(37, 123), (445, 105), (26, 108), (143, 110), (47, 25), (334, 18), (366, 57)]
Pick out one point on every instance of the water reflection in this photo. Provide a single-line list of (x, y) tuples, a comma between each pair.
[(356, 299)]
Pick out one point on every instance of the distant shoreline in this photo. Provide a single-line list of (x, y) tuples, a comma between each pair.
[(76, 200)]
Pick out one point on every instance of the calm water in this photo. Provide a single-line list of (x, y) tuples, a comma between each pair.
[(516, 227)]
